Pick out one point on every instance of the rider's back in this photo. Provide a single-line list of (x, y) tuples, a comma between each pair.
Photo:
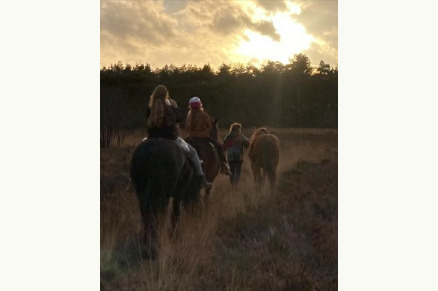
[(198, 124), (169, 128)]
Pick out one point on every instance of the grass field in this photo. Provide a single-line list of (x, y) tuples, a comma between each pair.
[(280, 240)]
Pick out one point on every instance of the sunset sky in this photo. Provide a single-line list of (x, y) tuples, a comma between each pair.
[(214, 32)]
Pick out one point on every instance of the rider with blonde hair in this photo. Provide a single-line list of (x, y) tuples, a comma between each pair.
[(198, 125), (162, 116), (234, 144)]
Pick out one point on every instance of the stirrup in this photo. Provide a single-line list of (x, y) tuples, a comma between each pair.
[(204, 183), (225, 170)]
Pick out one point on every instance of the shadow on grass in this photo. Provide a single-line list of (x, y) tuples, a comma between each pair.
[(125, 258)]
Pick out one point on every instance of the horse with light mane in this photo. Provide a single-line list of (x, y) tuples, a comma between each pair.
[(264, 154)]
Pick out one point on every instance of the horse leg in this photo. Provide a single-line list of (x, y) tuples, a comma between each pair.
[(149, 231), (148, 209), (271, 172), (189, 194), (207, 194), (263, 178), (176, 212), (256, 171), (273, 178)]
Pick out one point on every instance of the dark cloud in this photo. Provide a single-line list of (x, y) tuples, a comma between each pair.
[(266, 28), (272, 5), (227, 24), (138, 21), (235, 20)]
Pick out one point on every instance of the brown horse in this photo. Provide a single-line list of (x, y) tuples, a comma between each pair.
[(208, 155), (264, 153)]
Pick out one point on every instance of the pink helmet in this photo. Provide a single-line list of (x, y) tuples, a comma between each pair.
[(195, 102)]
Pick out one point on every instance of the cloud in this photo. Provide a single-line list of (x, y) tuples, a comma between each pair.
[(200, 32), (320, 18), (266, 28), (320, 51), (272, 5), (230, 18), (136, 19), (227, 24)]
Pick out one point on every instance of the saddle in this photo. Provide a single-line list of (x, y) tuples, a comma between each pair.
[(199, 140)]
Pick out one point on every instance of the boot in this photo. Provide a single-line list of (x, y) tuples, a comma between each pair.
[(225, 169), (202, 181)]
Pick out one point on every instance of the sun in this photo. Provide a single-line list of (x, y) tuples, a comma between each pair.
[(293, 40)]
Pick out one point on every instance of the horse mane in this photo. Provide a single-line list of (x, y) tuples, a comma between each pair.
[(259, 131)]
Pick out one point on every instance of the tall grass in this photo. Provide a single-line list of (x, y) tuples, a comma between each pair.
[(247, 240)]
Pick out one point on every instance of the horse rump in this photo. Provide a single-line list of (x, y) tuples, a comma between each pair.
[(160, 170), (264, 154)]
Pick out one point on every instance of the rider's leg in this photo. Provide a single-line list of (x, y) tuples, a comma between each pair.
[(219, 149), (225, 169), (238, 170), (193, 156), (232, 165)]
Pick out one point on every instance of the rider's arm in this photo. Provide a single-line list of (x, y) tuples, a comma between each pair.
[(207, 122), (245, 141), (178, 113)]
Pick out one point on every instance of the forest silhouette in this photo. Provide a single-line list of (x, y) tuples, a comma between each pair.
[(277, 95)]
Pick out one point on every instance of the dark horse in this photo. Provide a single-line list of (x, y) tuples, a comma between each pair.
[(160, 170), (264, 153), (208, 155)]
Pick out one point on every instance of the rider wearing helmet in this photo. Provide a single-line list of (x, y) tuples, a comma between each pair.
[(162, 118), (198, 125)]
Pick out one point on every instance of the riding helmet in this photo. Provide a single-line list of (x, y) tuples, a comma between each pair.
[(195, 102)]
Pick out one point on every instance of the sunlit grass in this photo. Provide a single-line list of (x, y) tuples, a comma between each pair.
[(247, 240)]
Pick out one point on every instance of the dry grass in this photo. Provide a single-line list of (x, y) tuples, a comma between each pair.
[(180, 253), (284, 240)]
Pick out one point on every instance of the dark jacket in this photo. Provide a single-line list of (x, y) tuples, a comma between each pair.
[(233, 144), (170, 130)]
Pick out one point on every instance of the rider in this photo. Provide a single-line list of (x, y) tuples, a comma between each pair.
[(198, 125), (233, 144), (162, 116)]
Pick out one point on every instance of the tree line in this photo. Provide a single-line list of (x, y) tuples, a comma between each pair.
[(278, 95)]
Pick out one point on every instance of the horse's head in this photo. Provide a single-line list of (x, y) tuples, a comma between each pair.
[(259, 131)]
